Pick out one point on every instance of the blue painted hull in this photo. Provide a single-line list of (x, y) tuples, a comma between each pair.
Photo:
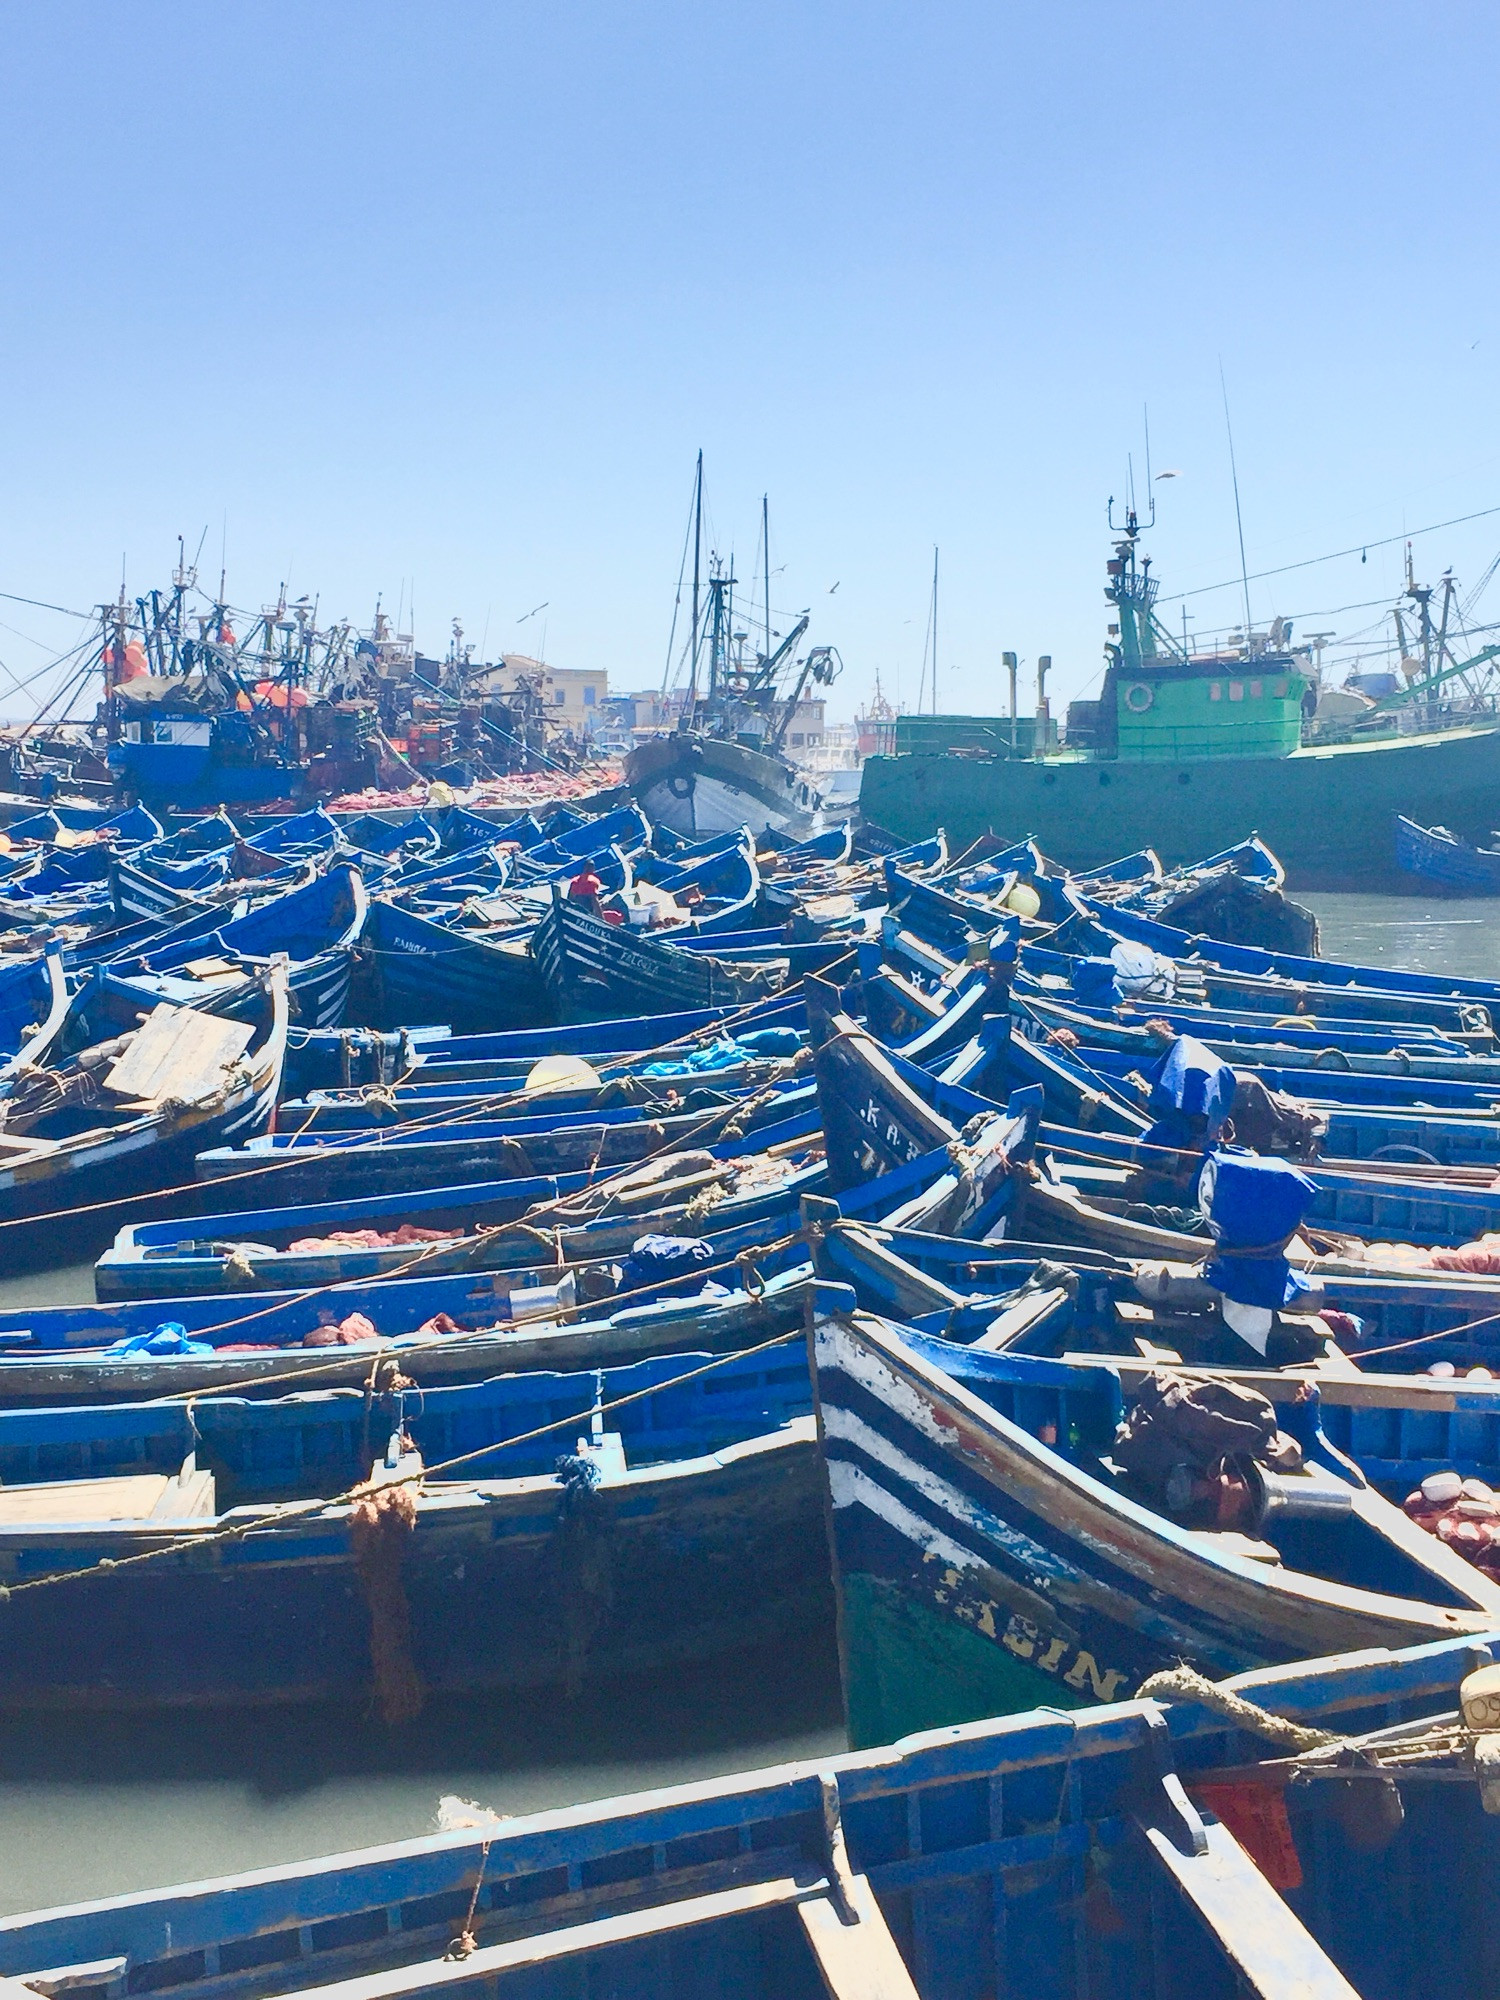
[(1039, 1854), (1443, 863), (952, 1522), (504, 1586), (426, 972)]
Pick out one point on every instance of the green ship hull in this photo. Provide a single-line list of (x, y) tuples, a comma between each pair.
[(909, 1665), (1328, 812)]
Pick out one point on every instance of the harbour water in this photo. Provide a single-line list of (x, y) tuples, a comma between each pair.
[(1423, 934), (95, 1807)]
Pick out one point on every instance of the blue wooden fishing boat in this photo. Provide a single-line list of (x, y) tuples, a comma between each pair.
[(583, 1217), (734, 1193), (33, 1006), (411, 839), (277, 1448), (591, 966), (304, 1167), (126, 1116), (445, 1329), (358, 1056), (1016, 1299), (639, 1552), (428, 972), (1444, 862), (141, 890), (1093, 1853), (1315, 972), (316, 927), (991, 1554)]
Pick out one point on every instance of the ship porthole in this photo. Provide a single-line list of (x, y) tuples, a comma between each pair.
[(1104, 777), (1184, 777), (1139, 697), (1049, 778)]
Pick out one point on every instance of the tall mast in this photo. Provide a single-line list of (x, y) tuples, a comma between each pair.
[(765, 543), (1239, 520), (934, 627), (697, 573)]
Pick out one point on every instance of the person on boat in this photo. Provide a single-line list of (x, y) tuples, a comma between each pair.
[(585, 889)]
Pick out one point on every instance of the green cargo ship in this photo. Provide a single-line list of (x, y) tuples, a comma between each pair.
[(1188, 753)]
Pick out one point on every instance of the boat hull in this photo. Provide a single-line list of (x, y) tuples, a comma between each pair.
[(506, 1588), (976, 1577), (700, 784), (1328, 813), (1444, 865), (1024, 1856)]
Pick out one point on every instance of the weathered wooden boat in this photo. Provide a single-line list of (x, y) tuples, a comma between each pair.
[(1386, 1053), (126, 1116), (427, 972), (360, 1056), (1078, 1855), (141, 885), (1373, 1200), (1238, 895), (1091, 1084), (446, 1329), (734, 1193), (1020, 1299), (455, 1579), (315, 926), (429, 1231), (990, 1554), (1396, 980), (305, 1167), (652, 1087), (591, 966), (626, 828), (33, 1006), (1444, 862), (408, 840), (306, 1446)]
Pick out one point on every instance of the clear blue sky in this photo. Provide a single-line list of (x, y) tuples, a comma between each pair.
[(454, 293)]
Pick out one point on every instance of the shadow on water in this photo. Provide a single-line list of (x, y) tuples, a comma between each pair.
[(99, 1805)]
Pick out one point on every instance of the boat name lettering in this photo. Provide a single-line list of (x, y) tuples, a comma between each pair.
[(873, 1114), (1073, 1664)]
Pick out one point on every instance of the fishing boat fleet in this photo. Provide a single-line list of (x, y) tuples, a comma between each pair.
[(533, 1252)]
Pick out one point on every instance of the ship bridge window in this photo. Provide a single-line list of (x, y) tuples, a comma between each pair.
[(1279, 690), (1216, 691), (179, 729), (1257, 689), (1236, 690)]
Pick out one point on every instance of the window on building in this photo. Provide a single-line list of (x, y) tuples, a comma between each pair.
[(589, 695), (797, 739)]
